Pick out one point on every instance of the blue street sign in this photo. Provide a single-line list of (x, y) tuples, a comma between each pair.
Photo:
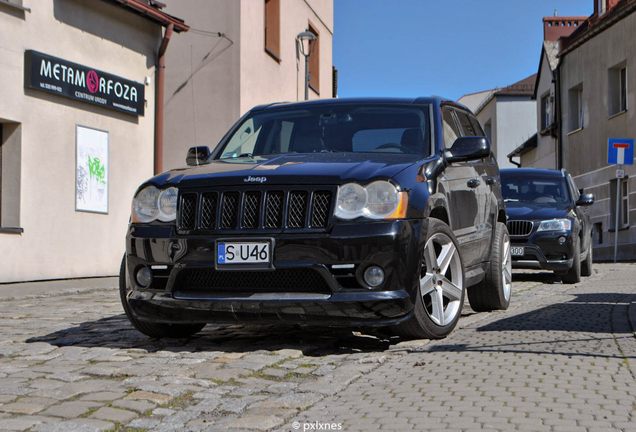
[(620, 151)]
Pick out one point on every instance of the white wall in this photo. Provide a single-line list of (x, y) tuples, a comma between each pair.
[(516, 122)]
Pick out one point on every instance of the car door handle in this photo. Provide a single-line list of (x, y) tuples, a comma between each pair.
[(473, 183)]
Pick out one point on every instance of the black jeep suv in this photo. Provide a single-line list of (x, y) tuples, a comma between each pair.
[(548, 222), (353, 212)]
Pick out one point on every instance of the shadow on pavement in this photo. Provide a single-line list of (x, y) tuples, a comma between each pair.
[(117, 332), (538, 276), (559, 329)]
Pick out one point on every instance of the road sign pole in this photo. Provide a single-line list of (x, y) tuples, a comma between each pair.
[(618, 207)]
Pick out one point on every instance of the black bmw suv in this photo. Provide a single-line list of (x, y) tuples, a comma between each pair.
[(548, 222), (356, 212)]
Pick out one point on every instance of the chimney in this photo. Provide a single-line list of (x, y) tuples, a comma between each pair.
[(556, 26)]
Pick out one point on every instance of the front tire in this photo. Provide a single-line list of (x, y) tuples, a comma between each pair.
[(440, 294), (574, 274), (494, 291), (153, 330)]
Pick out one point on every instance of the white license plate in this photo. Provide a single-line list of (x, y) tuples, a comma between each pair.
[(516, 251), (243, 253)]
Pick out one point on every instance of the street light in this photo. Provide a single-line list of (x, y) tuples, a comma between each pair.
[(306, 42)]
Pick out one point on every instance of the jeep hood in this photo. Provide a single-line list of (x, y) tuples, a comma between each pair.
[(534, 212), (291, 169)]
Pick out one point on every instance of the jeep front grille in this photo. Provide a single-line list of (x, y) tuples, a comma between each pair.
[(520, 228), (265, 208)]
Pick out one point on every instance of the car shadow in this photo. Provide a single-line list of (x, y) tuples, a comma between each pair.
[(596, 320), (536, 276), (117, 332)]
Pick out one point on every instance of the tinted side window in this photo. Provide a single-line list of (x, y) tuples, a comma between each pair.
[(476, 126), (467, 126), (451, 132)]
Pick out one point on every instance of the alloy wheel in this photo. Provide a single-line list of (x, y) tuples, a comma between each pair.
[(441, 281), (506, 268)]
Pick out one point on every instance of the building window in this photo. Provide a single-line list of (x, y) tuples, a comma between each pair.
[(314, 62), (488, 130), (623, 208), (10, 166), (546, 112), (576, 107), (602, 7), (272, 28), (597, 233), (617, 88)]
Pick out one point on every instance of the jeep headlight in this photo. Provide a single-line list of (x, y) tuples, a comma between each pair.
[(151, 204), (378, 200), (555, 225)]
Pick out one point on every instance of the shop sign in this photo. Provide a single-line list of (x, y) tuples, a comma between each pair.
[(54, 75)]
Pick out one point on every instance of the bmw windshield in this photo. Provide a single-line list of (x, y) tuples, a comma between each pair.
[(357, 128), (534, 189)]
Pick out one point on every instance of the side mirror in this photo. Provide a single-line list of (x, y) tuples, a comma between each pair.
[(197, 155), (586, 199), (468, 148)]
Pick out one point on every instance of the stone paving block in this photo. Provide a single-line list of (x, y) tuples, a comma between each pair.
[(27, 405), (158, 398), (71, 409), (103, 396), (261, 423), (113, 414), (22, 423), (276, 373), (138, 406)]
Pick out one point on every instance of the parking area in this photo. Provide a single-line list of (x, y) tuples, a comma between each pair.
[(561, 358)]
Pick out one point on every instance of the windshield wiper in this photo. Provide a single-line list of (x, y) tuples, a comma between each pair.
[(242, 155)]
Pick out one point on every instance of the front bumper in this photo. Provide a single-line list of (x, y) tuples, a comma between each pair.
[(542, 250), (330, 296)]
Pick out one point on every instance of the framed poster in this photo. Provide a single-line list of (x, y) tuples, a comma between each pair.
[(91, 170)]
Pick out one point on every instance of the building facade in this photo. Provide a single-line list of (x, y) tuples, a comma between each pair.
[(540, 150), (596, 69), (77, 126), (508, 116), (239, 53)]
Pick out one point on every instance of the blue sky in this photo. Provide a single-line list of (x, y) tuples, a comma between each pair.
[(442, 47)]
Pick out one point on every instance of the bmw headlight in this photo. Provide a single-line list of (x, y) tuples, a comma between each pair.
[(555, 225), (151, 204), (378, 200)]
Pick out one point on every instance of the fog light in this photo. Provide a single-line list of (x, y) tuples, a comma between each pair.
[(374, 276), (144, 277), (562, 240)]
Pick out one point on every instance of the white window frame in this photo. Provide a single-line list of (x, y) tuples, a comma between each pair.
[(575, 108), (546, 114), (602, 7)]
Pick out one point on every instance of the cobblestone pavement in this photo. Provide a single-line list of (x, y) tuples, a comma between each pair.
[(559, 362), (560, 358)]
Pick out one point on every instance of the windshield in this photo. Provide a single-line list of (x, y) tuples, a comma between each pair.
[(534, 189), (370, 128)]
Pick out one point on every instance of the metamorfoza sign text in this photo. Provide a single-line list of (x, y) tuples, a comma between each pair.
[(54, 75)]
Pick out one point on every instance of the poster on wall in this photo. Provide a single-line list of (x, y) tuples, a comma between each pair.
[(91, 170)]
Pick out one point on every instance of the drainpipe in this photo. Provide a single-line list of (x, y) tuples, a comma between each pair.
[(159, 97), (513, 162)]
